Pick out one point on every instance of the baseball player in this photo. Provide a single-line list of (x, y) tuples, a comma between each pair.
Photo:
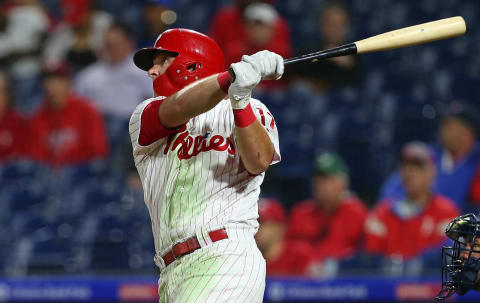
[(461, 262), (201, 146)]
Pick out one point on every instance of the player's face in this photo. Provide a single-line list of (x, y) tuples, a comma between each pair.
[(329, 189), (56, 90), (475, 254), (334, 25), (416, 177), (117, 45), (453, 134), (468, 246), (161, 62), (259, 33)]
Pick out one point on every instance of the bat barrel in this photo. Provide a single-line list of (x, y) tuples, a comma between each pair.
[(413, 35)]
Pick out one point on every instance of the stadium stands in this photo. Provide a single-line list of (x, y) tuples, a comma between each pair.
[(85, 219)]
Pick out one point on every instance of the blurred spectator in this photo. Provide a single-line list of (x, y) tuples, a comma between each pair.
[(158, 15), (78, 38), (475, 188), (407, 227), (284, 257), (22, 36), (457, 158), (69, 130), (333, 26), (14, 129), (114, 83), (133, 180), (241, 31), (332, 221), (116, 86)]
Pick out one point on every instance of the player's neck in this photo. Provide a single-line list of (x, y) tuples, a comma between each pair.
[(463, 150), (57, 103), (329, 207), (421, 199)]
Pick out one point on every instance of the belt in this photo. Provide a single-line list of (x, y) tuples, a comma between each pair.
[(190, 245)]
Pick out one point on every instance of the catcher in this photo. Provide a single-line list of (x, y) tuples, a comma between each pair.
[(461, 262)]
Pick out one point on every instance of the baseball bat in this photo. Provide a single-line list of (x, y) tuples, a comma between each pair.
[(407, 36)]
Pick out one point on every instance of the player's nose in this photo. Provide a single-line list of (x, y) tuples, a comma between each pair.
[(154, 71), (464, 254)]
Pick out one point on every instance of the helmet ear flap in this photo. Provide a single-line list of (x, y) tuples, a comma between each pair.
[(163, 86)]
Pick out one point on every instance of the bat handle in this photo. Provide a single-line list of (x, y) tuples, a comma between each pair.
[(343, 50), (231, 75)]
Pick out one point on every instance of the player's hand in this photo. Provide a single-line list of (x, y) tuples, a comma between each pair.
[(268, 64), (246, 79)]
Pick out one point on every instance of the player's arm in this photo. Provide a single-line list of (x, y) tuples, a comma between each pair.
[(255, 147), (376, 230), (193, 100), (253, 143)]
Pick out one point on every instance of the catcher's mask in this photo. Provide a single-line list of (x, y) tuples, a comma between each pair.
[(460, 262)]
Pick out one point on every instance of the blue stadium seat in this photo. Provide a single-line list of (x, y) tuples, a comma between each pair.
[(359, 264), (24, 224), (411, 122), (76, 175), (7, 242), (22, 171), (26, 197), (92, 195), (110, 250), (123, 239), (51, 252)]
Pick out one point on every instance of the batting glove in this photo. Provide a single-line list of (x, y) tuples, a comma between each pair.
[(268, 64), (246, 79)]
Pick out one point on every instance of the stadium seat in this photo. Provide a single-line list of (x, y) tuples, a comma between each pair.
[(110, 251), (25, 197), (51, 253), (22, 170), (76, 175)]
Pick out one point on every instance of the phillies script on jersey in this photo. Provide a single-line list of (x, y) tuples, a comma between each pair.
[(199, 143)]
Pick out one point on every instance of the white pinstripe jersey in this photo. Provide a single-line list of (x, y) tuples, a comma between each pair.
[(194, 179)]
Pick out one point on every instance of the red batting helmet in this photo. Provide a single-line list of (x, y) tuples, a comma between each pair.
[(197, 56)]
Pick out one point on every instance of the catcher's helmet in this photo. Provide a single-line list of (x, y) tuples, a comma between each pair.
[(197, 56), (460, 262)]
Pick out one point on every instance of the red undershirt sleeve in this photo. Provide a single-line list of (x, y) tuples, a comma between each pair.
[(151, 129)]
